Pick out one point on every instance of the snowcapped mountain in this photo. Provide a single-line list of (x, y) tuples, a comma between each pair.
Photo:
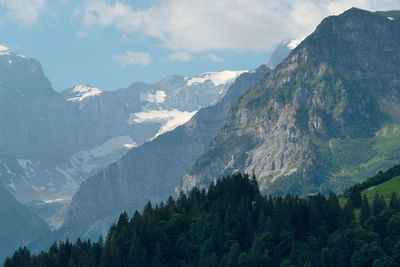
[(166, 104), (6, 51), (217, 78), (282, 51), (152, 171), (81, 92), (327, 116), (50, 142)]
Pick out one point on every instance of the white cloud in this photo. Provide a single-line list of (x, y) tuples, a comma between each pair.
[(181, 57), (204, 25), (215, 58), (25, 11), (133, 58), (81, 34)]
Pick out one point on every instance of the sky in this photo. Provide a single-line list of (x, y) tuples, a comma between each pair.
[(111, 43)]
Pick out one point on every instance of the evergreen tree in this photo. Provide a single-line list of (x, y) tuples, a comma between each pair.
[(394, 202), (378, 205), (365, 210), (231, 224)]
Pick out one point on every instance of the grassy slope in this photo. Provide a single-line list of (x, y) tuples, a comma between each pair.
[(353, 160), (385, 189)]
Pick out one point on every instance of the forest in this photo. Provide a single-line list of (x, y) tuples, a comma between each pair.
[(232, 224)]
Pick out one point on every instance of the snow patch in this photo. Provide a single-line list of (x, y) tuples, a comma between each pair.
[(390, 18), (27, 166), (292, 44), (57, 200), (4, 50), (113, 145), (85, 161), (129, 146), (156, 98), (12, 185), (217, 78), (169, 119), (84, 91), (8, 170), (70, 181)]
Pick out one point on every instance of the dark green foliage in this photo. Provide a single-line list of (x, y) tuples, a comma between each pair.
[(355, 198), (234, 225), (378, 205), (394, 203), (365, 210)]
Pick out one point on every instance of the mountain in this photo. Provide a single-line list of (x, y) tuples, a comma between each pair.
[(50, 142), (35, 121), (282, 51), (327, 117), (18, 226), (151, 171)]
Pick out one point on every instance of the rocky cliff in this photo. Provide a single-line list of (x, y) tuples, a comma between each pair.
[(326, 117), (151, 171)]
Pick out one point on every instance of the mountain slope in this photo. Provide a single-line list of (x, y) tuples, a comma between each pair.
[(151, 171), (18, 226), (326, 117), (50, 142)]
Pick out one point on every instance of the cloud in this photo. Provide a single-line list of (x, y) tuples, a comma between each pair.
[(206, 25), (133, 58), (25, 11), (81, 34), (181, 57), (215, 58)]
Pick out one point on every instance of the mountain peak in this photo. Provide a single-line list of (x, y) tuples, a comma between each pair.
[(6, 51), (83, 91), (282, 50), (217, 78), (293, 43), (340, 86)]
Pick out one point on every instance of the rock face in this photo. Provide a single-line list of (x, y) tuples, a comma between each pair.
[(50, 142), (18, 226), (151, 171), (326, 117), (34, 121)]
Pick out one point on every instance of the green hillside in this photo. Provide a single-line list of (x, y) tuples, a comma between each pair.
[(385, 189)]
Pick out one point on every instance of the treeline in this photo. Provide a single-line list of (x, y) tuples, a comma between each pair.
[(234, 225), (354, 192)]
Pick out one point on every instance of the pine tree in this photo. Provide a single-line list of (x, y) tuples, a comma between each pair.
[(394, 202), (378, 205), (365, 210)]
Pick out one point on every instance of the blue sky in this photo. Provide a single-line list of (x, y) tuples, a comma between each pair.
[(109, 44)]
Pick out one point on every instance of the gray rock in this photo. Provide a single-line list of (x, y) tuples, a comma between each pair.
[(151, 171), (316, 123)]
